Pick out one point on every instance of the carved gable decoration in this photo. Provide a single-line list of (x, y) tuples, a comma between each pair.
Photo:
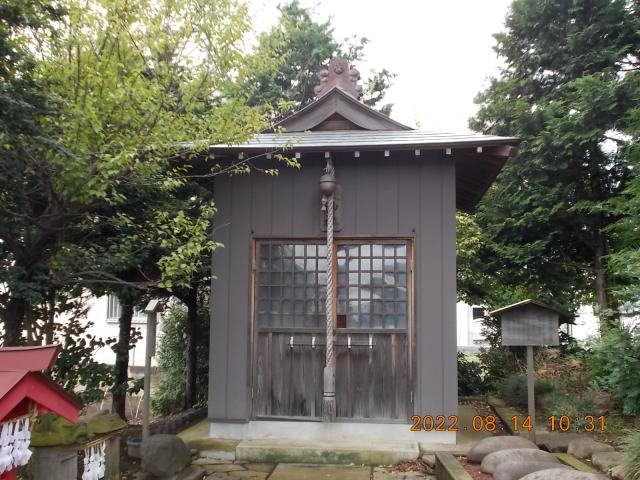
[(339, 75)]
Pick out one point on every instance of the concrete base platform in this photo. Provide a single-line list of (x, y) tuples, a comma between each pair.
[(320, 472), (329, 432), (343, 453)]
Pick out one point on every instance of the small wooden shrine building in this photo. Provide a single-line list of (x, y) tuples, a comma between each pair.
[(392, 275)]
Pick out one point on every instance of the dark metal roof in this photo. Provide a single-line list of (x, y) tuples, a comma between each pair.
[(365, 140), (529, 301)]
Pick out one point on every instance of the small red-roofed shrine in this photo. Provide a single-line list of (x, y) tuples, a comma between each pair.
[(25, 389)]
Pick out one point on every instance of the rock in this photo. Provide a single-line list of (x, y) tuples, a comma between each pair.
[(248, 474), (165, 455), (494, 444), (618, 473), (104, 422), (603, 461), (563, 473), (585, 447), (218, 454), (518, 455), (556, 442), (430, 460), (517, 470)]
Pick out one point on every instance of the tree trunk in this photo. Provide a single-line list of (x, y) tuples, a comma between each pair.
[(191, 394), (13, 319), (602, 285), (121, 366)]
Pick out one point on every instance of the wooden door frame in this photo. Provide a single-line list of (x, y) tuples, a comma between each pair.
[(354, 239)]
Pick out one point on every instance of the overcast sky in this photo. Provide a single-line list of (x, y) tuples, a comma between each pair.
[(440, 50)]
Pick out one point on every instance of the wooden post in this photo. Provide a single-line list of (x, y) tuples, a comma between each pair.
[(152, 316), (531, 392)]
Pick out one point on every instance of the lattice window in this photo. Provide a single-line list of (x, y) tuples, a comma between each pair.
[(373, 285), (114, 309), (292, 284)]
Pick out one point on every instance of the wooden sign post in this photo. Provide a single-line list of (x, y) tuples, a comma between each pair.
[(532, 324)]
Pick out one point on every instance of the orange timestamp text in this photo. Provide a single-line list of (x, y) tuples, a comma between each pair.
[(563, 423), (444, 423)]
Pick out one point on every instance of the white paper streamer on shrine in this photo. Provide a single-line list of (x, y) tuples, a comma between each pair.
[(94, 461), (15, 437)]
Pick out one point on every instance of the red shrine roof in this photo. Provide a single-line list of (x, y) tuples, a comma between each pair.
[(31, 359), (22, 381)]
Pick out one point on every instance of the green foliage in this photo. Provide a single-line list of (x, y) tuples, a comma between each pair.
[(301, 47), (470, 377), (631, 452), (75, 369), (568, 90), (613, 365), (514, 389), (572, 405), (168, 395)]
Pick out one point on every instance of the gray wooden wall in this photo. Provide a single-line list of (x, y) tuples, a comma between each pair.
[(400, 195)]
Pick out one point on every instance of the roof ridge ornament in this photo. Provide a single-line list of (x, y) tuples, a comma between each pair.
[(339, 75)]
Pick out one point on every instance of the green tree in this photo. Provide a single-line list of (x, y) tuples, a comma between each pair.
[(301, 47), (570, 80)]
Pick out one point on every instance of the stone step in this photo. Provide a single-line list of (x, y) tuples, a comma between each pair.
[(316, 452)]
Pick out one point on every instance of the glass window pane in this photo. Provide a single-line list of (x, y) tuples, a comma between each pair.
[(276, 264), (311, 278), (311, 264), (287, 292), (389, 293), (389, 251), (287, 250), (342, 251), (342, 307), (298, 292), (322, 264), (276, 251), (276, 292), (401, 265), (264, 251), (402, 278), (322, 251), (298, 278), (401, 250), (322, 278), (298, 264), (376, 321), (311, 306), (353, 307), (353, 264), (376, 264), (342, 264), (299, 250), (365, 278), (311, 250), (275, 278), (286, 307), (310, 292), (376, 306), (342, 293), (364, 321), (402, 293), (287, 278), (353, 250), (388, 264), (263, 278), (389, 321), (365, 250), (298, 307), (401, 321), (353, 292), (365, 264), (275, 307), (263, 264), (389, 307), (401, 307), (342, 279), (352, 320), (376, 292), (353, 278), (263, 292), (376, 250), (263, 306)]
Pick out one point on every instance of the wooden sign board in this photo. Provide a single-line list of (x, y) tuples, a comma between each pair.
[(529, 324)]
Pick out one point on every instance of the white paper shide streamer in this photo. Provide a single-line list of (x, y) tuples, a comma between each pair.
[(15, 437), (94, 461)]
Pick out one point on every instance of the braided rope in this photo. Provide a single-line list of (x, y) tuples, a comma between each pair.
[(330, 294)]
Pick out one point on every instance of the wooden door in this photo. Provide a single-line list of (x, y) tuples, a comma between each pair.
[(373, 329)]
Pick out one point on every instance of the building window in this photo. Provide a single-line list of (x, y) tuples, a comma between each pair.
[(371, 284), (114, 309)]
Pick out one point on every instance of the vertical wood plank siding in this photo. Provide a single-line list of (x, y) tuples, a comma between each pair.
[(399, 195)]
